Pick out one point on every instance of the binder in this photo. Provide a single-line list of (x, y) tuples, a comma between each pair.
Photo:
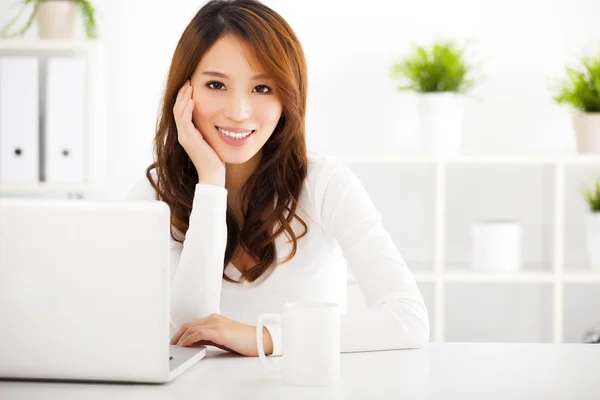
[(19, 120), (65, 125)]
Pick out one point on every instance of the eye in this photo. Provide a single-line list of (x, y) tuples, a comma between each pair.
[(262, 89), (215, 85)]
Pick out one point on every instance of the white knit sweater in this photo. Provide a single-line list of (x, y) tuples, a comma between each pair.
[(344, 229)]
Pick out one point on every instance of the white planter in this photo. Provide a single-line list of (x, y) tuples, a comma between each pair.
[(496, 246), (440, 122), (592, 228), (56, 19), (587, 132)]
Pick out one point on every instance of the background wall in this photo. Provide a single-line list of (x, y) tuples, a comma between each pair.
[(522, 47)]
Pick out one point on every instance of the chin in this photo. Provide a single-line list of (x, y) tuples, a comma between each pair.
[(235, 157)]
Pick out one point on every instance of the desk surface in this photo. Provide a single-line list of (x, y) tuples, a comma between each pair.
[(438, 371)]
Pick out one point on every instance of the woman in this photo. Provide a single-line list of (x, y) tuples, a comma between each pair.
[(256, 221)]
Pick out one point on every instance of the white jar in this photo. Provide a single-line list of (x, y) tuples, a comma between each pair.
[(496, 245)]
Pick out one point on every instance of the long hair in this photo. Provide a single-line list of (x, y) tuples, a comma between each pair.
[(270, 196)]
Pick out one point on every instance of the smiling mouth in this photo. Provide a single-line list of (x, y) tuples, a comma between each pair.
[(235, 135)]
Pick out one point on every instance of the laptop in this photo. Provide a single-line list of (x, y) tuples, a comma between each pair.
[(84, 292)]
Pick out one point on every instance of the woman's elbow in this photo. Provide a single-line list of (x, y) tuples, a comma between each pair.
[(418, 334), (421, 335)]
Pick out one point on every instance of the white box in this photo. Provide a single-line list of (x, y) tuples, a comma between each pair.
[(65, 120), (19, 120)]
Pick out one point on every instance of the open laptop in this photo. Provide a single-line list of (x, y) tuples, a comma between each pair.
[(84, 292)]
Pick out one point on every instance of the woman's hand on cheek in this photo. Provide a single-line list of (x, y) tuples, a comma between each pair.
[(224, 333), (210, 167)]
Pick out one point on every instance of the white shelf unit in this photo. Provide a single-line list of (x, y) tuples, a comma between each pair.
[(48, 44), (95, 135), (439, 276)]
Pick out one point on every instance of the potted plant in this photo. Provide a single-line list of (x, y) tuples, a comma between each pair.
[(55, 18), (581, 91), (592, 225), (441, 76)]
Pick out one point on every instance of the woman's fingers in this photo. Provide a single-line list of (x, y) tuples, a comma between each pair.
[(185, 328), (196, 334), (181, 102), (179, 334), (186, 118)]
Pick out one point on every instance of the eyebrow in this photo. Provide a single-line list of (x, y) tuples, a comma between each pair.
[(222, 75)]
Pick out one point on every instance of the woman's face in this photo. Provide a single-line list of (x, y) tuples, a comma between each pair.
[(235, 106)]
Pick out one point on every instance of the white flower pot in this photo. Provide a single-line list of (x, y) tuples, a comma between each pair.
[(440, 122), (496, 246), (587, 132), (56, 19), (592, 228)]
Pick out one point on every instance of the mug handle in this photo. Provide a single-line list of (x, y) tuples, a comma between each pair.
[(259, 332)]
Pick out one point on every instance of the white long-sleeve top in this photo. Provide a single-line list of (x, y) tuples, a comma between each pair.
[(344, 229)]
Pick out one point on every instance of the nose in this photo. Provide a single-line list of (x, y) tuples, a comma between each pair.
[(238, 108)]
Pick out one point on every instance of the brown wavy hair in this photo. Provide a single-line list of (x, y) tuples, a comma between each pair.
[(283, 165)]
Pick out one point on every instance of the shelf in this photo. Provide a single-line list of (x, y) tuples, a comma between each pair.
[(547, 298), (582, 311), (44, 188), (35, 45), (510, 159), (498, 313), (498, 277), (419, 277), (581, 277)]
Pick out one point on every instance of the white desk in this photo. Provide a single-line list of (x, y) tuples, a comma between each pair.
[(439, 371)]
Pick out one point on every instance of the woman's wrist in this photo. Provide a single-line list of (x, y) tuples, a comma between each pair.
[(267, 341), (214, 181)]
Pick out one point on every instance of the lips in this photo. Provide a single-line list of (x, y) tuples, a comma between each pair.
[(234, 130), (235, 139)]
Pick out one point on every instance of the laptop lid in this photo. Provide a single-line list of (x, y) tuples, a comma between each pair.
[(84, 289)]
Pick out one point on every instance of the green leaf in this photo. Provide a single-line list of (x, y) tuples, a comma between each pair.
[(593, 196), (581, 87), (440, 67)]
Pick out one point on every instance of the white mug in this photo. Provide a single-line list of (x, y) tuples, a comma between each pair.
[(310, 343)]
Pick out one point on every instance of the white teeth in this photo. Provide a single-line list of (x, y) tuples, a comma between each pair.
[(234, 135)]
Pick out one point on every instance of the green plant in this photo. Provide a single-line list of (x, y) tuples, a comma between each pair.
[(593, 197), (87, 10), (581, 88), (439, 68)]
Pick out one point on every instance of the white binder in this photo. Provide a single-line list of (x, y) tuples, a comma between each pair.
[(19, 120), (65, 120)]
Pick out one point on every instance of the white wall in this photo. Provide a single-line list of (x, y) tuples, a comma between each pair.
[(522, 45)]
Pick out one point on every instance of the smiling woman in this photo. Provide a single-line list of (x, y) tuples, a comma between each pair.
[(235, 107), (256, 221)]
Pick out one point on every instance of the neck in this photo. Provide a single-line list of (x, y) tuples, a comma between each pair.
[(236, 176)]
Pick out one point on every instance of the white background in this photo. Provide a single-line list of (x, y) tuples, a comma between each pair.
[(521, 47)]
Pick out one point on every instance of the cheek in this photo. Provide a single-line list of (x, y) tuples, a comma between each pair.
[(203, 111), (269, 111)]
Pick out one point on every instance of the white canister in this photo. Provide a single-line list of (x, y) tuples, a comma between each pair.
[(496, 246), (592, 228), (441, 122)]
